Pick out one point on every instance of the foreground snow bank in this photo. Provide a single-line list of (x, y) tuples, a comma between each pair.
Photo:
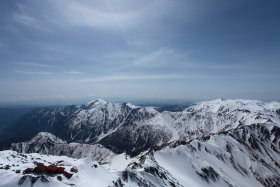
[(90, 173)]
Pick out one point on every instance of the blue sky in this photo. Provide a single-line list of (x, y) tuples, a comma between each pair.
[(148, 49)]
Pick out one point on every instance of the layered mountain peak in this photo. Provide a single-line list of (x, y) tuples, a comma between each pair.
[(46, 137)]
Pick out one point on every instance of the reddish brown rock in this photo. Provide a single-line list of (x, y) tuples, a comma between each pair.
[(51, 169), (28, 171), (40, 168), (54, 169)]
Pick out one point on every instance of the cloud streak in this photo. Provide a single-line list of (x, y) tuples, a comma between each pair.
[(32, 64), (130, 78), (74, 72), (157, 58), (44, 73)]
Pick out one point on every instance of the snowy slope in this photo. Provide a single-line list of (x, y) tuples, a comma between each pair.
[(246, 156)]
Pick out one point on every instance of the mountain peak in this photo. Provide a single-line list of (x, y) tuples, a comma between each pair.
[(46, 134), (43, 136), (131, 105), (97, 101)]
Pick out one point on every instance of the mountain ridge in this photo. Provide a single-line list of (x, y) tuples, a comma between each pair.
[(122, 127)]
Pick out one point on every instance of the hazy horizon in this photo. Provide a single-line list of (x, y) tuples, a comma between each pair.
[(69, 52), (64, 102), (134, 101)]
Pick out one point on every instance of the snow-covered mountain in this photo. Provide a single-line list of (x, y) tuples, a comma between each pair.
[(46, 143), (114, 125), (124, 127), (245, 156), (219, 115), (214, 143)]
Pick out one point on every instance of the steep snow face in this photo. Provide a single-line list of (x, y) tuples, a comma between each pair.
[(246, 156), (46, 143), (96, 119)]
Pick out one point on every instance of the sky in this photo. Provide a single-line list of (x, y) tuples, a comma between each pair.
[(70, 50)]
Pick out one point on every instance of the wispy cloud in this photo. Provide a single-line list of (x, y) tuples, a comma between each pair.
[(29, 20), (74, 72), (107, 15), (154, 56), (100, 14), (131, 77), (146, 77), (25, 19), (33, 72), (32, 64)]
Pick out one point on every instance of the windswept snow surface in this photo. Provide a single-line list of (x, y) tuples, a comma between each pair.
[(119, 162)]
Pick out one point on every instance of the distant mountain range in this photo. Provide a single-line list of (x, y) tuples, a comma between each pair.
[(212, 143)]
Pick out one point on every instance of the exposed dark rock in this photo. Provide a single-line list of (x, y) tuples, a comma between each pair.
[(67, 174), (59, 178), (74, 169), (208, 174), (28, 171)]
